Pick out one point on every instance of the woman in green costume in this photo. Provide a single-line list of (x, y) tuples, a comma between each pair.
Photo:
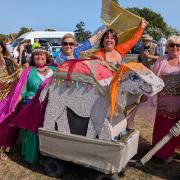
[(38, 74)]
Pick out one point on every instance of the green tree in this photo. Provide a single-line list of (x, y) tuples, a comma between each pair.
[(80, 33), (24, 30), (157, 26), (50, 29), (3, 37), (116, 1)]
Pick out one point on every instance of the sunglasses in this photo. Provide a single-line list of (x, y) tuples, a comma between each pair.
[(68, 43), (174, 45)]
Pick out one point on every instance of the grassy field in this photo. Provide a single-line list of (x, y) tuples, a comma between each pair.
[(15, 168)]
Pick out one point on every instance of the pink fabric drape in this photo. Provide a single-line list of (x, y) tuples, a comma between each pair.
[(31, 116), (7, 105)]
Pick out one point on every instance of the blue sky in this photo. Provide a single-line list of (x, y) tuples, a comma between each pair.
[(63, 15)]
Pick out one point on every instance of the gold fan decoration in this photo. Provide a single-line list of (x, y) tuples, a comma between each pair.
[(119, 19)]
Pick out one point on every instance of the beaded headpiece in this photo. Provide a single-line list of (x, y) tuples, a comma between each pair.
[(37, 50)]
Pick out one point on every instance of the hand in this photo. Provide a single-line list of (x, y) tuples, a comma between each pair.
[(144, 23), (146, 54), (99, 31), (19, 63), (101, 58), (97, 34), (18, 100)]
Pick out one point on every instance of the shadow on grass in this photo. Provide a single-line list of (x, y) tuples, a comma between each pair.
[(72, 172), (16, 157), (157, 167), (153, 168)]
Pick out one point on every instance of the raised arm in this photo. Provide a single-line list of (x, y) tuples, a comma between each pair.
[(128, 45), (95, 37), (21, 49), (88, 44)]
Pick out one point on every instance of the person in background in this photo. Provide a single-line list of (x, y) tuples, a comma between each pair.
[(70, 49), (28, 51), (7, 82), (9, 49), (7, 66), (168, 100), (111, 51), (3, 49), (22, 49), (161, 47), (148, 54)]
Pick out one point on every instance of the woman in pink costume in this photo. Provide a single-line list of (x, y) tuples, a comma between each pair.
[(168, 100)]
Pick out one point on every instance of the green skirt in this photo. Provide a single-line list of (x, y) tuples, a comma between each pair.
[(30, 146)]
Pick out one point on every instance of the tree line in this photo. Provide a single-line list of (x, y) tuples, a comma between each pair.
[(157, 27)]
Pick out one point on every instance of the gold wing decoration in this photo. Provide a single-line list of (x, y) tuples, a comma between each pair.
[(7, 81), (119, 19)]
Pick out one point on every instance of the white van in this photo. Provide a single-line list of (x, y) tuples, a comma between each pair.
[(53, 37)]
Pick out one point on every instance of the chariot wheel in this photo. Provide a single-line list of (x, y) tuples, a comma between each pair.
[(108, 177), (54, 167)]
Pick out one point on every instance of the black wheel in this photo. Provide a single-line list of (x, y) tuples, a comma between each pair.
[(122, 173), (54, 167), (108, 177)]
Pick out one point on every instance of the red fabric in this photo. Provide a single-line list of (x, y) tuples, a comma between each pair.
[(128, 45), (160, 130), (83, 67)]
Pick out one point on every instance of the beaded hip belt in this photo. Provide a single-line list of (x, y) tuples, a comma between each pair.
[(172, 85)]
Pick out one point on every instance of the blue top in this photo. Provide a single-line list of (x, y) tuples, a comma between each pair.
[(82, 47)]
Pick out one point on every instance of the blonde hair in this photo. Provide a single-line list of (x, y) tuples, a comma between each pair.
[(172, 39), (23, 42), (69, 35)]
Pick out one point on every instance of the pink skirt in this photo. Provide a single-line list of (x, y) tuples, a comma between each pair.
[(163, 124)]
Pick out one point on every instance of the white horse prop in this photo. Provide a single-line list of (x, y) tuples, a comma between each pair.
[(87, 98)]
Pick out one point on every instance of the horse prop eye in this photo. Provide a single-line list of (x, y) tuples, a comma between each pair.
[(134, 77)]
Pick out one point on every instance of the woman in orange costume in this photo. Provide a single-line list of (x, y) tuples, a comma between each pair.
[(111, 51)]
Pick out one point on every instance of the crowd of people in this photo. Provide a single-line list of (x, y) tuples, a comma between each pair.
[(38, 67)]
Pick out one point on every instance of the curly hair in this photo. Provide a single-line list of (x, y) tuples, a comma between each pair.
[(48, 59)]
